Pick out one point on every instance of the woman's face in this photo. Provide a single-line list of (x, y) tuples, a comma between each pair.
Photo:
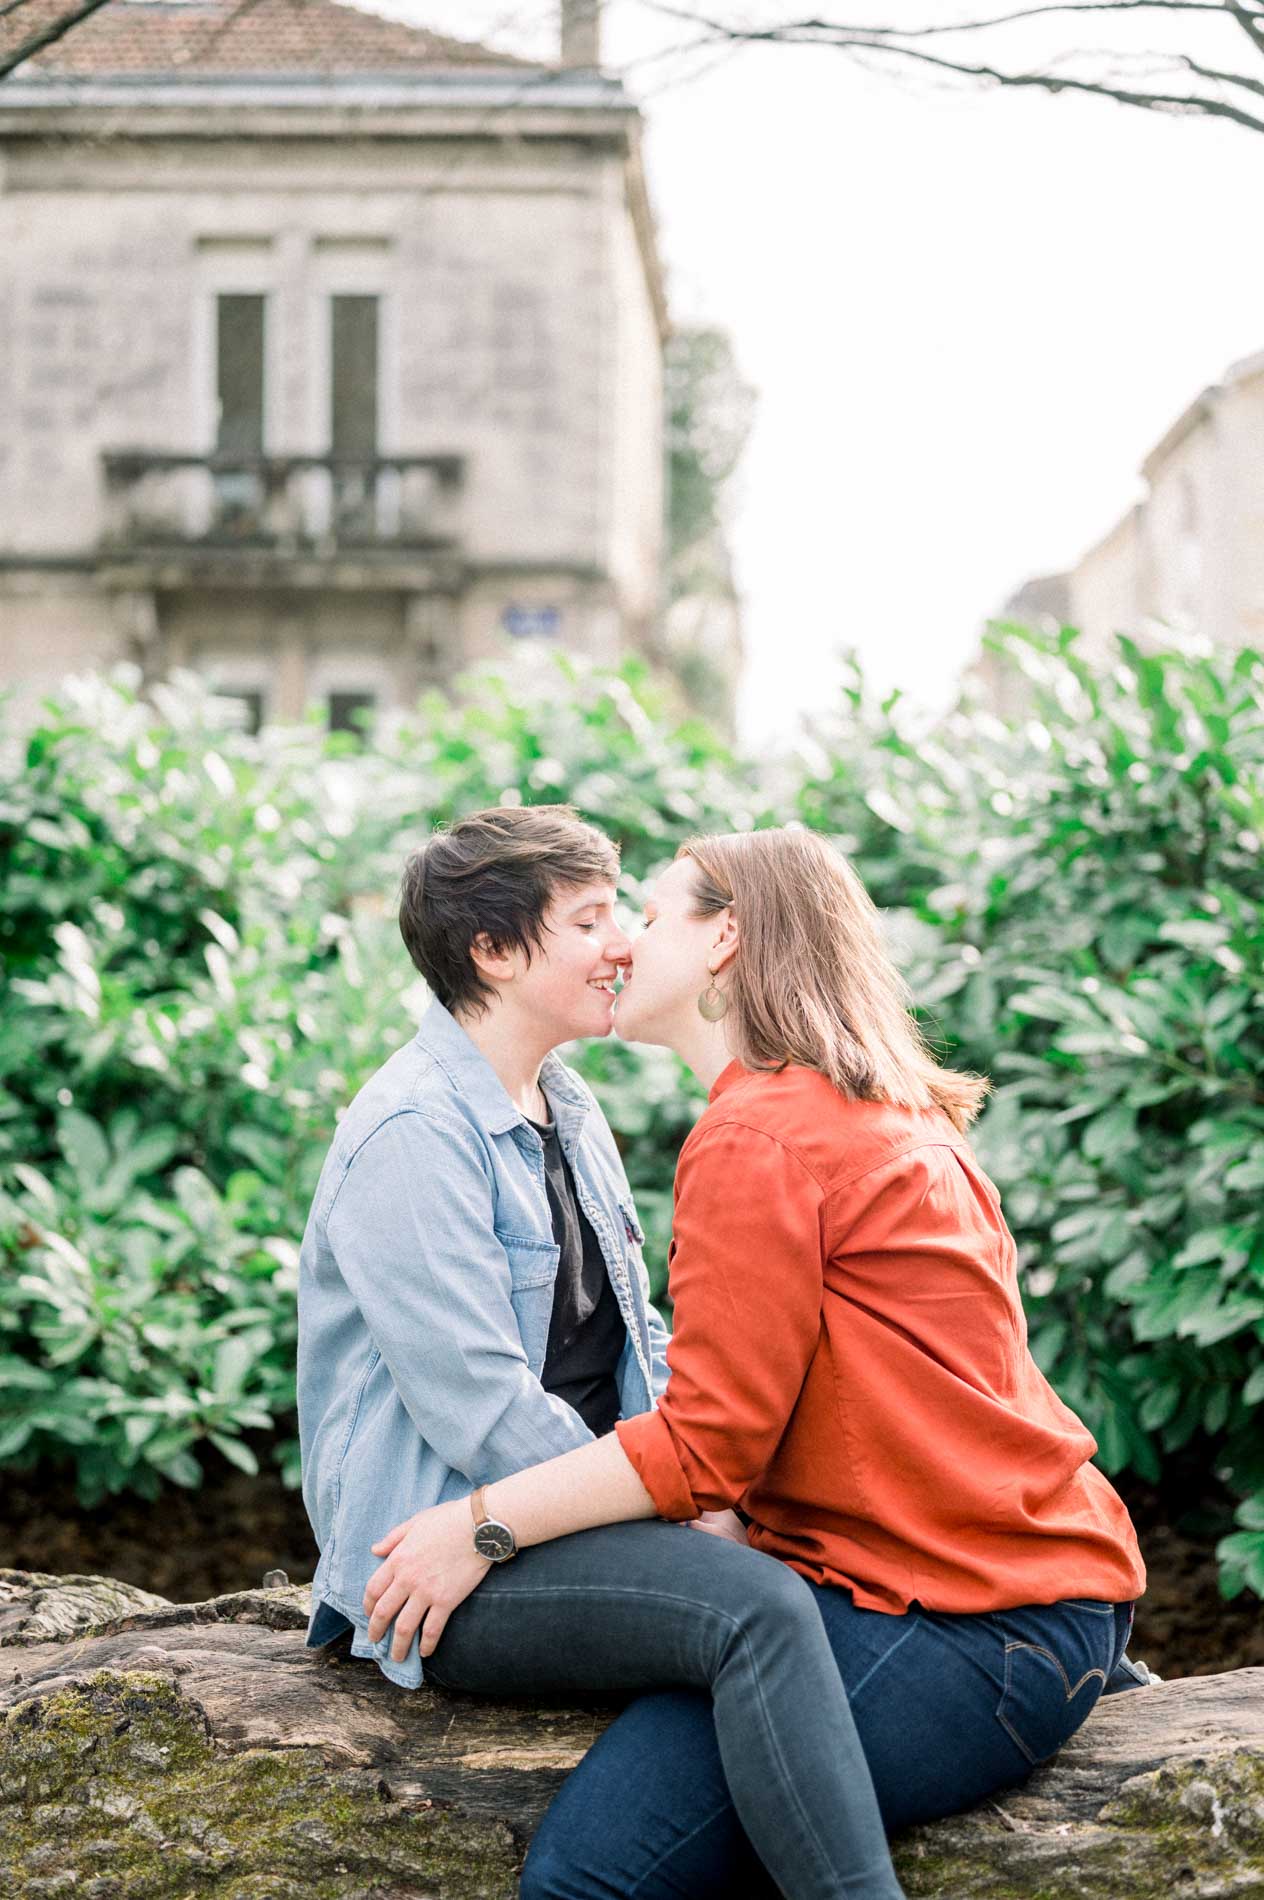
[(669, 964)]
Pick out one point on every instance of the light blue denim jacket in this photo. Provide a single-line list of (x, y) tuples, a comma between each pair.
[(425, 1291)]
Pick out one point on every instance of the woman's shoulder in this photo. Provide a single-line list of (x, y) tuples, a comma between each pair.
[(833, 1134)]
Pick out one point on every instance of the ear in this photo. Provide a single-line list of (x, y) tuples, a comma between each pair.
[(725, 945), (489, 959)]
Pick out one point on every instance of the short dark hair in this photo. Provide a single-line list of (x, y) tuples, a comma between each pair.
[(495, 871)]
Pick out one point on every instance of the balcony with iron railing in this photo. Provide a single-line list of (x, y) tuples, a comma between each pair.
[(296, 506)]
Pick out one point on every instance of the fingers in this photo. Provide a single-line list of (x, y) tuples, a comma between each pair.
[(385, 1545), (416, 1615), (407, 1624), (436, 1621), (381, 1580), (387, 1608)]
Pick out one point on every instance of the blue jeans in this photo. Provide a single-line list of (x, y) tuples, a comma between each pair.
[(949, 1709), (631, 1607)]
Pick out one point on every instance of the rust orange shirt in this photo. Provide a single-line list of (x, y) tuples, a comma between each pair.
[(850, 1363)]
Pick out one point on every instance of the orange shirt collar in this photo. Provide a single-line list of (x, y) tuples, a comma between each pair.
[(726, 1078)]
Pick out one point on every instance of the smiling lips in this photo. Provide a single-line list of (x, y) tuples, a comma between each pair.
[(606, 983)]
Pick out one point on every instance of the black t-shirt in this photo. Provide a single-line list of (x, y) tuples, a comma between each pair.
[(586, 1329)]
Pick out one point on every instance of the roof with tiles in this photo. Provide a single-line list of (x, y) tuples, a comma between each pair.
[(172, 38)]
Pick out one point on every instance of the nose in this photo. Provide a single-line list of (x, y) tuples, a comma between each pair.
[(618, 946)]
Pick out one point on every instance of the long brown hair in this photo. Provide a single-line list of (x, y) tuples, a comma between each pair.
[(812, 982)]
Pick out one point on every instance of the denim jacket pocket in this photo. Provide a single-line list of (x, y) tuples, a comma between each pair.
[(531, 1262), (1055, 1671), (532, 1274)]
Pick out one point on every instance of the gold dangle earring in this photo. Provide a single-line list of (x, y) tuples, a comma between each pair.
[(713, 1002)]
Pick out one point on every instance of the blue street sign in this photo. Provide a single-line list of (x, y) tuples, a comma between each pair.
[(531, 623)]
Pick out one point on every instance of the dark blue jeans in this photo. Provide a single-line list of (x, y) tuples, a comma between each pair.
[(631, 1607), (949, 1709)]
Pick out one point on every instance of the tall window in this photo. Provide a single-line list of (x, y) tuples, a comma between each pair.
[(239, 373), (239, 492), (353, 379), (353, 414)]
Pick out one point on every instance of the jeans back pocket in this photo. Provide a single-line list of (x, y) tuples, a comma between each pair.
[(1057, 1658)]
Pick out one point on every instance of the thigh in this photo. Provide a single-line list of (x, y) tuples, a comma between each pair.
[(623, 1608), (647, 1813), (953, 1708)]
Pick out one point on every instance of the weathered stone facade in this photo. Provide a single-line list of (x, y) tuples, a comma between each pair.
[(491, 220), (1190, 555)]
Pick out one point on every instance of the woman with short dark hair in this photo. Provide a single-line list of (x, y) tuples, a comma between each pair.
[(473, 1302)]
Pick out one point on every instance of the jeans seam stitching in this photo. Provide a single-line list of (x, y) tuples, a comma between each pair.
[(1015, 1737), (1004, 1721), (691, 1835), (810, 1831), (884, 1658), (1040, 1650), (610, 1590)]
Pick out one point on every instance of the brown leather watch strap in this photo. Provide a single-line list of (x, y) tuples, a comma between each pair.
[(477, 1505)]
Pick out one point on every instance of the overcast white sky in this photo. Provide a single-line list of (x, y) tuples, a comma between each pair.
[(967, 315)]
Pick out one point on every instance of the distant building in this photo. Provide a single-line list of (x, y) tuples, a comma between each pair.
[(1187, 557), (1043, 601), (332, 353), (1190, 555)]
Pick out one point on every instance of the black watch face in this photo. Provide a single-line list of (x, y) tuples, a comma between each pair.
[(494, 1541)]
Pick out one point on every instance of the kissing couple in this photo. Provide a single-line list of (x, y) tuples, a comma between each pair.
[(836, 1538)]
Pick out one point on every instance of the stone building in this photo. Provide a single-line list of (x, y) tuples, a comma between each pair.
[(330, 353), (1187, 558), (1190, 554)]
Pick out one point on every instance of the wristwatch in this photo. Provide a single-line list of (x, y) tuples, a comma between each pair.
[(492, 1539)]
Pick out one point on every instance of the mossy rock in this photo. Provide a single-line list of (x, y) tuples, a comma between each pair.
[(185, 1749), (1196, 1831), (114, 1787)]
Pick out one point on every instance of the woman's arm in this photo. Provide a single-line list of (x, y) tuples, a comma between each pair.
[(747, 1278), (594, 1484), (431, 1564)]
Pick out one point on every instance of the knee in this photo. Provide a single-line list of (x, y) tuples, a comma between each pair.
[(548, 1873), (779, 1595)]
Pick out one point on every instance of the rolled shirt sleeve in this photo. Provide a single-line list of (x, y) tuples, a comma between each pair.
[(746, 1277), (412, 1230)]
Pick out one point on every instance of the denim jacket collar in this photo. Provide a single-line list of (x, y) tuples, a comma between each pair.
[(442, 1036)]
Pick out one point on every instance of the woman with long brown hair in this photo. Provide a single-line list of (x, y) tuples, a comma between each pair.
[(849, 1372)]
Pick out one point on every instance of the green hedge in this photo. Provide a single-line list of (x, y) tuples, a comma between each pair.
[(199, 964)]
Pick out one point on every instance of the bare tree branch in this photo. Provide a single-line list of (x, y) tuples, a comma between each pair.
[(1252, 24), (898, 43), (1231, 79), (1175, 103), (11, 6), (55, 30), (816, 27)]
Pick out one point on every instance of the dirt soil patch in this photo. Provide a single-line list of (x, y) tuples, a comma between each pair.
[(190, 1545)]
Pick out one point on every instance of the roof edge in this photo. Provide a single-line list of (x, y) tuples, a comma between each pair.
[(534, 87)]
